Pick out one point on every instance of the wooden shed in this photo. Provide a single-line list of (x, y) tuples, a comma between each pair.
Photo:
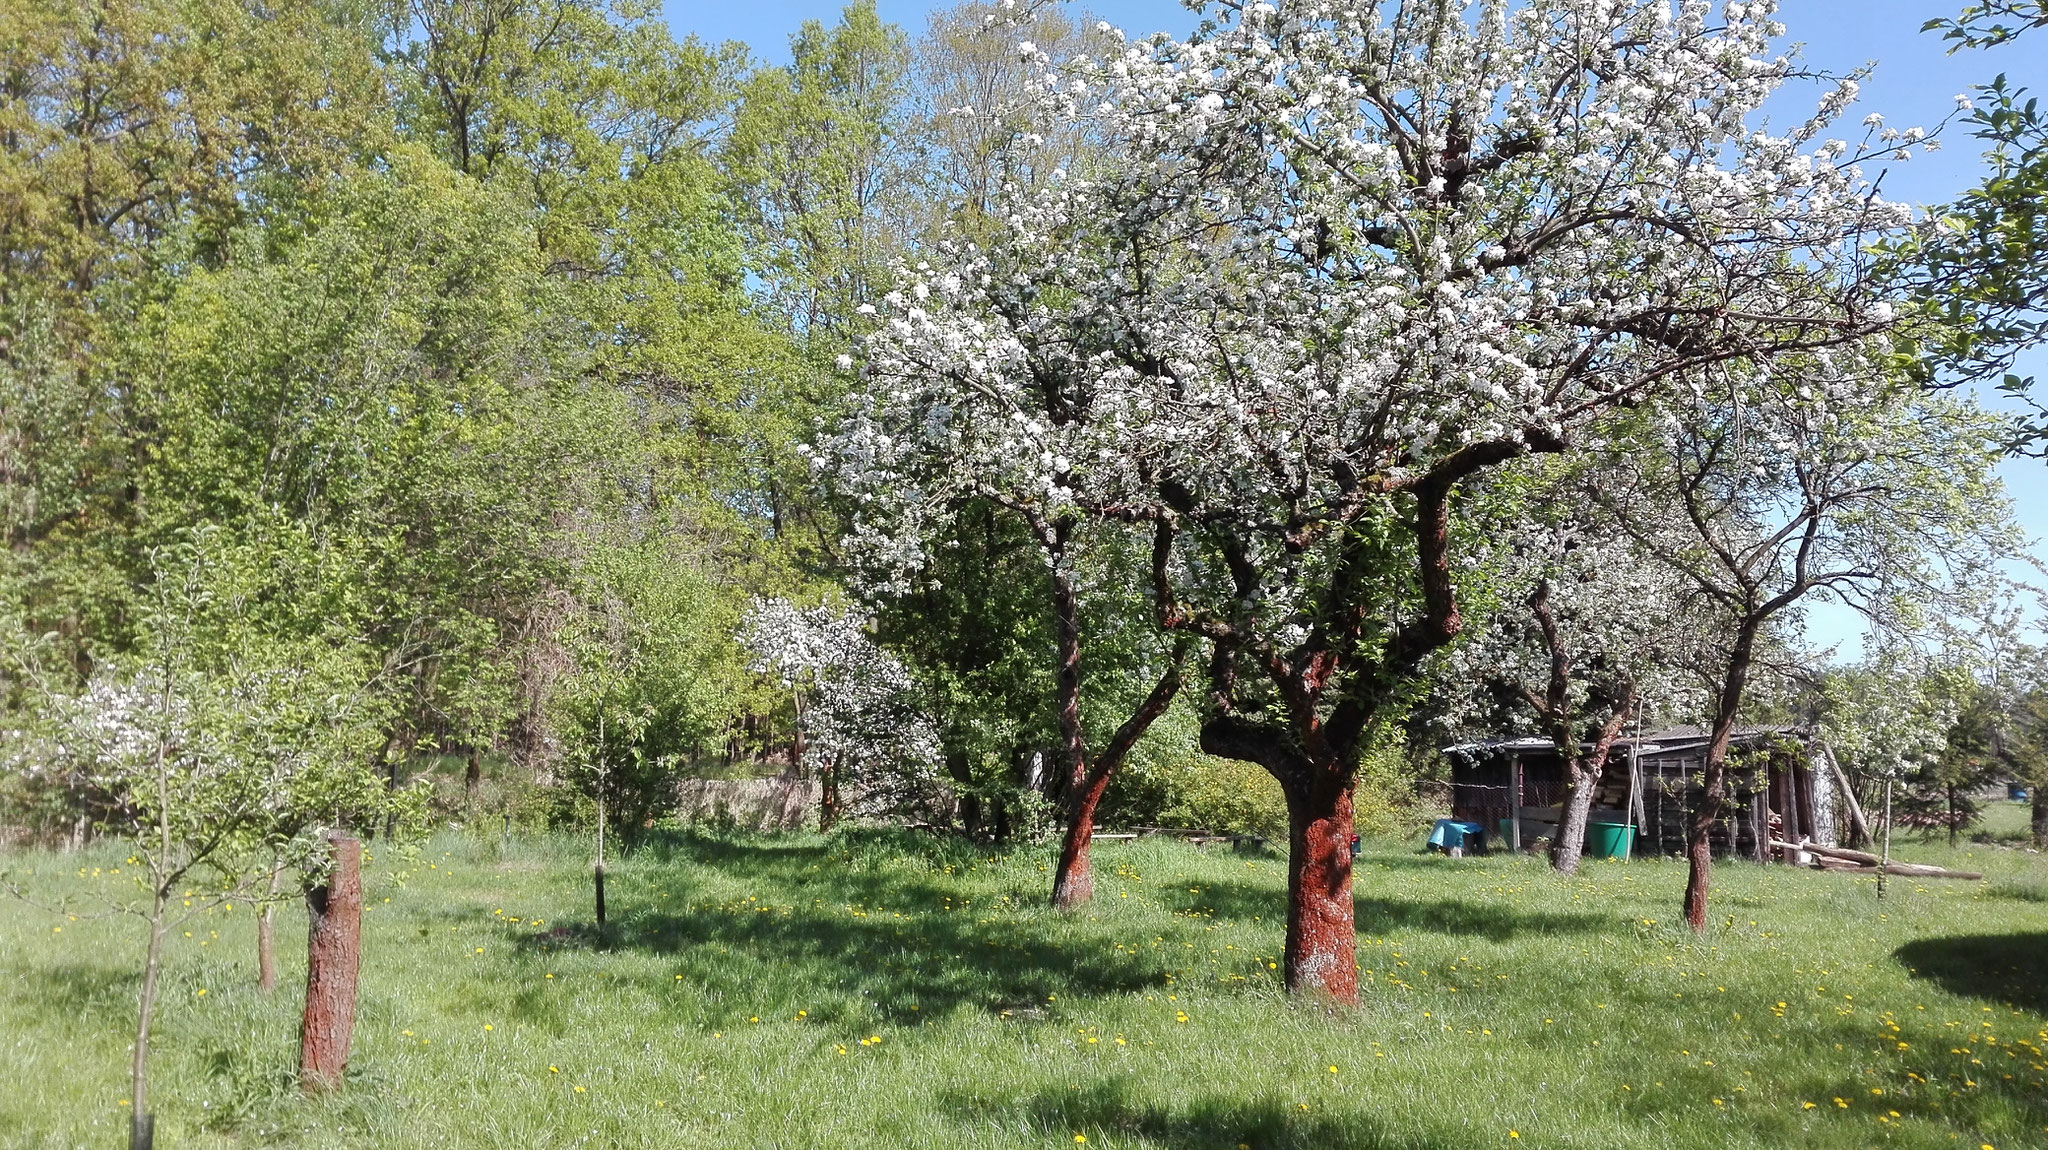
[(1780, 785)]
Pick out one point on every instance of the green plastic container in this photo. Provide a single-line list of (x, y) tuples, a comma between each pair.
[(1610, 840)]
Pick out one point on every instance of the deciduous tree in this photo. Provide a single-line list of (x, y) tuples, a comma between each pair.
[(1328, 265)]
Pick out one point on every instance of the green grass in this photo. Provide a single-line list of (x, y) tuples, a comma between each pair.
[(1498, 998)]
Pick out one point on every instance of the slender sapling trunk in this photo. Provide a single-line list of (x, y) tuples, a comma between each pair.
[(266, 949), (141, 1123), (1885, 853), (597, 871)]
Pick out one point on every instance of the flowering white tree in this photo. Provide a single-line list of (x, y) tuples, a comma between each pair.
[(857, 712), (1330, 262), (1775, 490), (1590, 633), (909, 496)]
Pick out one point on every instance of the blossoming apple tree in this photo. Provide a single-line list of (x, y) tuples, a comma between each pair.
[(1326, 264), (857, 713), (1810, 484), (1590, 633)]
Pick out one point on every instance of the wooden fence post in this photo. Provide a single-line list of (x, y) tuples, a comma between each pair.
[(1515, 802), (333, 951)]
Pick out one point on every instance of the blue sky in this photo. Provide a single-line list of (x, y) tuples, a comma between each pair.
[(1915, 83)]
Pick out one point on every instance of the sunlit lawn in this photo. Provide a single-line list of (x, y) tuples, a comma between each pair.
[(801, 992)]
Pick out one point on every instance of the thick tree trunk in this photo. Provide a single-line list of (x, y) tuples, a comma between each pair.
[(1570, 843), (2040, 813), (1699, 847), (333, 952), (472, 778), (1321, 959)]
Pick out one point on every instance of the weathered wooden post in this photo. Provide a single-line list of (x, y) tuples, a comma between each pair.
[(334, 947), (1884, 863), (1515, 802)]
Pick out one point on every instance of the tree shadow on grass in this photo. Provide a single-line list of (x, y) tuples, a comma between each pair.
[(2007, 968), (1380, 915), (1112, 1108), (65, 992), (885, 935)]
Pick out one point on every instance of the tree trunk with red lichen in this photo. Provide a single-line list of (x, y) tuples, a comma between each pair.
[(1321, 958), (1321, 954), (333, 953), (1073, 879)]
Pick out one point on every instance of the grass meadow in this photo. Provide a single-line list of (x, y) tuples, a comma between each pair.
[(872, 989)]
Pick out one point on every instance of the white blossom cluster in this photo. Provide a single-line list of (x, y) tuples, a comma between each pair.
[(196, 756), (1627, 626), (1320, 249), (858, 705)]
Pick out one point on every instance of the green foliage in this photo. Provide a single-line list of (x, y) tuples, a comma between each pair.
[(818, 174), (1167, 781), (1975, 269), (649, 677)]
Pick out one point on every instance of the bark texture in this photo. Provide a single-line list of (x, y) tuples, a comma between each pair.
[(2040, 815), (333, 953), (828, 795), (1074, 878), (1582, 770), (1699, 849), (1570, 844), (1321, 959)]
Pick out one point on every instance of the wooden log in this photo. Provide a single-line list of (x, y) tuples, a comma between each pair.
[(1838, 858), (1923, 870), (1842, 853), (333, 952)]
